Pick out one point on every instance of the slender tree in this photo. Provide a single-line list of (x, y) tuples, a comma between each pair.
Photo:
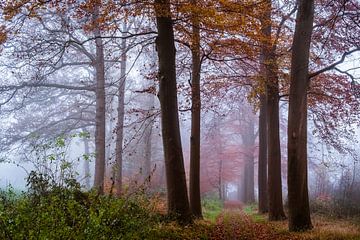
[(120, 119), (100, 129), (178, 202), (299, 211), (195, 198)]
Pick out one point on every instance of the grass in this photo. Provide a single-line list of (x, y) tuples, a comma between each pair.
[(252, 211), (325, 228), (211, 208)]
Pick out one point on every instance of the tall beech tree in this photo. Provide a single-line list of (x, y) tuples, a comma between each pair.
[(276, 211), (263, 127), (299, 211), (248, 136), (120, 119), (100, 129), (195, 198), (177, 195)]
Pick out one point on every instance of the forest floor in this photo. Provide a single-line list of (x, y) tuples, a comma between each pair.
[(236, 222)]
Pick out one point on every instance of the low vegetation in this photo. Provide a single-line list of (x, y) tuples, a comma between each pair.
[(50, 211)]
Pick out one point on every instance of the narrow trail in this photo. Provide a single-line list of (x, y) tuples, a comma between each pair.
[(234, 223)]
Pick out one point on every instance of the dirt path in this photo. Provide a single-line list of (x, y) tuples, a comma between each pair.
[(233, 223)]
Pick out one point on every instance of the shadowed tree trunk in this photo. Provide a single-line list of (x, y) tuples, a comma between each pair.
[(117, 174), (263, 126), (178, 202), (299, 212), (100, 109), (195, 198), (262, 165), (270, 68), (276, 211)]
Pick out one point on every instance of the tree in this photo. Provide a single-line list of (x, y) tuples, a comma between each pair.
[(299, 211), (262, 162), (117, 171), (195, 198), (178, 202), (248, 135), (276, 211), (99, 64)]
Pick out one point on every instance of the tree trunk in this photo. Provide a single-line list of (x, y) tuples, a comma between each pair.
[(269, 66), (220, 180), (147, 155), (148, 142), (262, 165), (263, 126), (249, 179), (299, 212), (100, 109), (178, 202), (248, 137), (120, 124), (195, 198), (86, 161), (276, 211)]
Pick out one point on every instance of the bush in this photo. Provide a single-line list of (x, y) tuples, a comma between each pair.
[(334, 207), (52, 211), (48, 211)]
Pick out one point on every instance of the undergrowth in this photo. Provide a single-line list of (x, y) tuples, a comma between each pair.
[(48, 211)]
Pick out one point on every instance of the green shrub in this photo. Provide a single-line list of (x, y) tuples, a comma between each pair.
[(48, 211)]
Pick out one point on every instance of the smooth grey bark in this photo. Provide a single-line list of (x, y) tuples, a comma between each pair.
[(178, 201), (100, 129), (248, 138), (117, 170), (195, 198), (86, 161), (148, 169), (299, 211), (147, 154)]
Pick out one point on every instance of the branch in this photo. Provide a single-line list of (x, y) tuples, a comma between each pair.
[(281, 24), (46, 85), (333, 66)]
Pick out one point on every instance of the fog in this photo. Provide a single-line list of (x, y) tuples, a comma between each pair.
[(47, 97)]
